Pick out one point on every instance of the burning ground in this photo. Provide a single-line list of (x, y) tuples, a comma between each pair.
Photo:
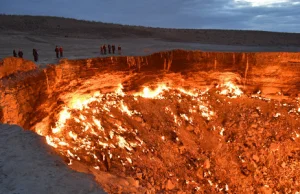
[(176, 140), (196, 130)]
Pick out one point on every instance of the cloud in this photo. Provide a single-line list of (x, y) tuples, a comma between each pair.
[(270, 15), (243, 15), (268, 3)]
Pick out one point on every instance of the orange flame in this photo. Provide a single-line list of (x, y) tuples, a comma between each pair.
[(231, 90), (64, 115), (147, 93), (92, 133)]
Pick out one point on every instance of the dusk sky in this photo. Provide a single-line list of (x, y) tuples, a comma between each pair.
[(268, 15)]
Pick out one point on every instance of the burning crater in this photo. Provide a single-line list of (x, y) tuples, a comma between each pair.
[(171, 122)]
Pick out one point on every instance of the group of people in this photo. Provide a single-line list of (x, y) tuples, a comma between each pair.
[(110, 48), (59, 51), (20, 54)]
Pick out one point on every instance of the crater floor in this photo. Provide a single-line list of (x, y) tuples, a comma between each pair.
[(175, 140)]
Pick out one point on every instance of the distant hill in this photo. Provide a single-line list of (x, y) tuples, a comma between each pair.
[(65, 27)]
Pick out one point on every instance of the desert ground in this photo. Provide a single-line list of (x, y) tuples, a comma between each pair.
[(80, 48), (82, 39), (28, 166), (170, 122)]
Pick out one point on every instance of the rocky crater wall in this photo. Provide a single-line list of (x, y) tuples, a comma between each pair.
[(13, 65), (29, 94)]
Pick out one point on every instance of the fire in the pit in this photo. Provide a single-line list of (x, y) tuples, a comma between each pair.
[(173, 139), (88, 130)]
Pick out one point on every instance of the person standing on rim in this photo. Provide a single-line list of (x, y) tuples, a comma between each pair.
[(35, 54), (119, 50), (113, 48), (104, 49), (61, 51), (14, 53), (20, 53), (101, 50), (56, 51), (109, 48)]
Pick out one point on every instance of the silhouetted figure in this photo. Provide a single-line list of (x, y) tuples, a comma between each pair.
[(56, 51), (20, 54), (113, 48), (14, 53), (101, 50), (119, 50), (61, 51), (104, 49), (35, 55), (109, 49)]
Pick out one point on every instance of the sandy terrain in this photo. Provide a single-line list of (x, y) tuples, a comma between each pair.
[(82, 39), (62, 27), (27, 165)]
